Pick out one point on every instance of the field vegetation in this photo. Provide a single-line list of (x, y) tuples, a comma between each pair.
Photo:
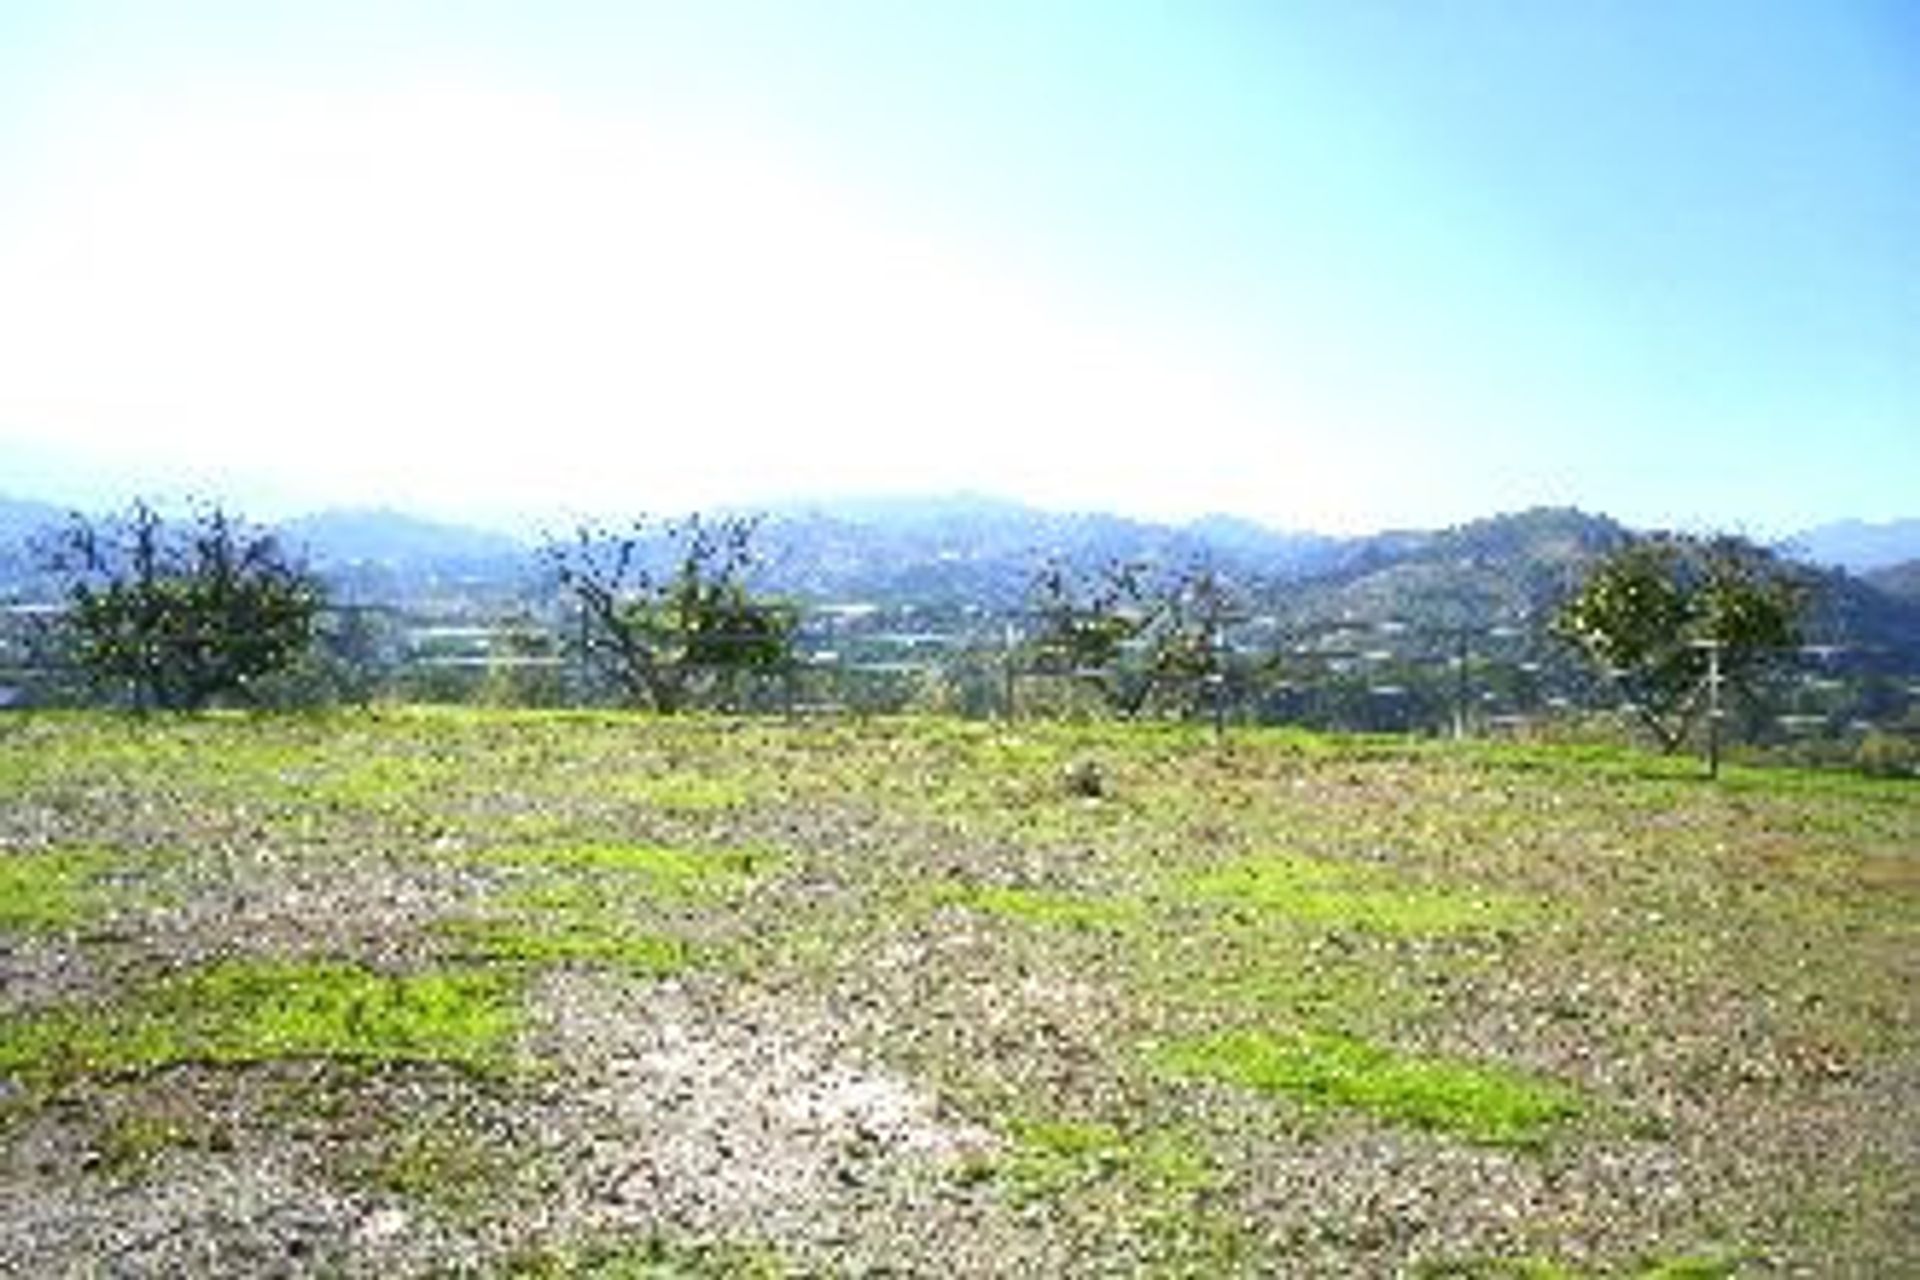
[(423, 992)]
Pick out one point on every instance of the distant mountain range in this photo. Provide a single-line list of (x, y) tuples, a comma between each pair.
[(1857, 545), (1899, 580), (961, 551)]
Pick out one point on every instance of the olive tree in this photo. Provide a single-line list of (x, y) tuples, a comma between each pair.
[(1655, 615), (662, 604), (1135, 634), (180, 614)]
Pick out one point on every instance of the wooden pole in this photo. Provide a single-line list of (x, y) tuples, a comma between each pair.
[(1713, 708), (1218, 679), (1460, 690), (1007, 672)]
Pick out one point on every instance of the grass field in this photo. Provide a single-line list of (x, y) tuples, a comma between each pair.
[(429, 992)]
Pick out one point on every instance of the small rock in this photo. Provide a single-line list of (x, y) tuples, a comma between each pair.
[(1083, 778), (384, 1224)]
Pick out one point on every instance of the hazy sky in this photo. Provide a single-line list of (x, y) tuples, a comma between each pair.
[(1336, 265)]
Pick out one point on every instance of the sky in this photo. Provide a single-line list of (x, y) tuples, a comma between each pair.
[(1336, 265)]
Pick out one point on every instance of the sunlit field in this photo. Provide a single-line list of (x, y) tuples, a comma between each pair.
[(416, 992)]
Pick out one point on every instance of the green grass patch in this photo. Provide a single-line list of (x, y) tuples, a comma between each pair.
[(570, 938), (1268, 971), (1343, 895), (268, 1010), (50, 891), (263, 1010), (1148, 1189), (1051, 908), (397, 780), (438, 1164), (1692, 1266), (1482, 1104), (129, 1145), (687, 792), (567, 907), (1051, 1157)]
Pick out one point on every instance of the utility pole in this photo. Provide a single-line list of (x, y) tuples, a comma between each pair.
[(1460, 684), (1012, 637), (1217, 678), (1713, 708)]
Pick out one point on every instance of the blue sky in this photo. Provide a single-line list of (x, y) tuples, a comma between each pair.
[(1327, 265)]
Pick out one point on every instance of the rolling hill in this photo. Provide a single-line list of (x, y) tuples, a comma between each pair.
[(973, 552)]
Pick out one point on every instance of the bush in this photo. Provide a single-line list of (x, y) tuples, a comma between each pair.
[(182, 615), (1887, 755)]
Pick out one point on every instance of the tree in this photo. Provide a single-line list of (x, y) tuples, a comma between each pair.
[(661, 604), (1131, 633), (1651, 614), (181, 614)]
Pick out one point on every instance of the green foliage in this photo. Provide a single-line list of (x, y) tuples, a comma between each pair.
[(182, 615), (1647, 615), (1487, 1105)]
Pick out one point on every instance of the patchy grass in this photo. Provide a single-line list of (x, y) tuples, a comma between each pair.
[(1322, 892), (1054, 1157), (263, 1010), (131, 1144), (688, 793), (656, 1258), (576, 904), (1496, 1269), (1171, 1006), (441, 1166), (1483, 1104), (1696, 1266), (654, 869), (47, 891), (566, 938), (259, 1010), (1048, 908), (1091, 1175)]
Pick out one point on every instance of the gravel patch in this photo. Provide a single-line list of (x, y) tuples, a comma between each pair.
[(691, 1111)]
